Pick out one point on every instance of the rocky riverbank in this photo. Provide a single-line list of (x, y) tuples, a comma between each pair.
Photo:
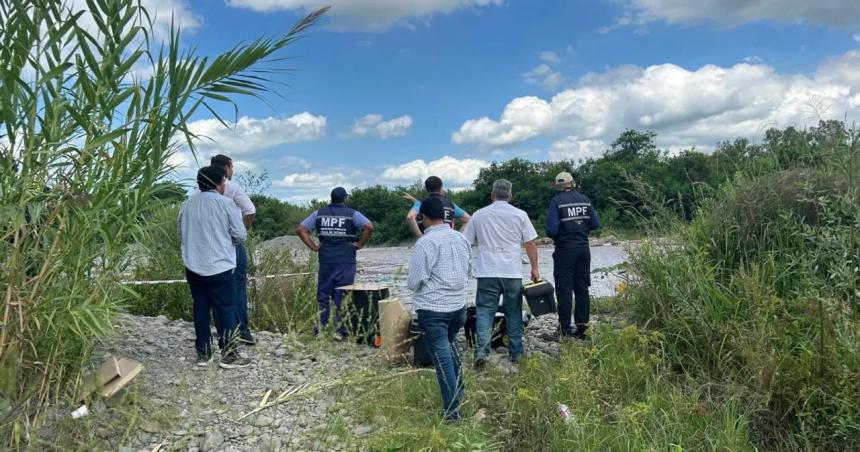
[(181, 406)]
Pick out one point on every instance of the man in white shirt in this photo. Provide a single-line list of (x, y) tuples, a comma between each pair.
[(246, 208), (500, 230)]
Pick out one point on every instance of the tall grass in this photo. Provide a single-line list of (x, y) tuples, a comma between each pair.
[(83, 141), (757, 297), (619, 390), (280, 304)]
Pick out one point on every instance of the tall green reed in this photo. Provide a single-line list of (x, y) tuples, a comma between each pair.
[(85, 138)]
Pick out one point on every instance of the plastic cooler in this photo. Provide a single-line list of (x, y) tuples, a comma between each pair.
[(540, 297), (361, 311)]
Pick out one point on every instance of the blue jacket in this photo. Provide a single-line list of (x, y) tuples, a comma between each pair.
[(569, 219)]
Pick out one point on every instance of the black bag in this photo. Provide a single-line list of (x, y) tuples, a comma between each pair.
[(540, 297), (500, 331)]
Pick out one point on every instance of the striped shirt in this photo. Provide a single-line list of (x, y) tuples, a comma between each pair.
[(439, 270), (209, 225)]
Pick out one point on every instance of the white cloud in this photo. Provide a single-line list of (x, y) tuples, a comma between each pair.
[(309, 186), (544, 76), (367, 15), (375, 125), (550, 57), (573, 148), (251, 134), (685, 107), (455, 173), (162, 13), (312, 180), (838, 13), (857, 38)]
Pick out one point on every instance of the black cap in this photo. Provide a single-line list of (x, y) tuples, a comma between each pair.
[(339, 194), (432, 208)]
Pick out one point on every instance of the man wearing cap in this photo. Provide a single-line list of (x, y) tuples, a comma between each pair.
[(501, 231), (569, 219), (246, 208), (453, 212), (337, 227), (438, 277)]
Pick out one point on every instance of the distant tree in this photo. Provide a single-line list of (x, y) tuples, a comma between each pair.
[(253, 182)]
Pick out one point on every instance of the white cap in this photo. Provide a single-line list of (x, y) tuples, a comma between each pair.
[(563, 178)]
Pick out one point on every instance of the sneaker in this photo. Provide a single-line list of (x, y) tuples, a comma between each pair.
[(339, 337), (203, 359), (480, 364), (234, 361), (246, 338)]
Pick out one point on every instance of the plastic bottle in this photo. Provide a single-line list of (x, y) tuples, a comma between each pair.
[(564, 412)]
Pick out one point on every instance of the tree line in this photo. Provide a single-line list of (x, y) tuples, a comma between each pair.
[(627, 183)]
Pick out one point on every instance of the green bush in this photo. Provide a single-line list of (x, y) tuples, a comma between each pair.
[(758, 296), (283, 304)]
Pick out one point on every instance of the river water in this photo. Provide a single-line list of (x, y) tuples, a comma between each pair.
[(388, 265)]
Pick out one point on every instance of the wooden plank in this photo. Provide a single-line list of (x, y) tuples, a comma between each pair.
[(128, 370)]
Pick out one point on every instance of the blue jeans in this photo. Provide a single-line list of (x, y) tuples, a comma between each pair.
[(329, 277), (242, 289), (215, 294), (486, 306), (440, 333)]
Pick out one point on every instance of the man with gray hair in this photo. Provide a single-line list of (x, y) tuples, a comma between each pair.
[(500, 230)]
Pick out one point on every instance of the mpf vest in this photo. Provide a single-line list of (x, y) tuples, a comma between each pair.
[(336, 231), (574, 216), (449, 211)]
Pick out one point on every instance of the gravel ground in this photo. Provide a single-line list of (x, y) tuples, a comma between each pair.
[(190, 408), (204, 404)]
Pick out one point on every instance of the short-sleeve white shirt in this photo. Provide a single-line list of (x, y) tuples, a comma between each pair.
[(500, 230), (235, 192)]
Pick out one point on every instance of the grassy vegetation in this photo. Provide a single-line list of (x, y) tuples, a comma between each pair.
[(758, 297), (621, 393)]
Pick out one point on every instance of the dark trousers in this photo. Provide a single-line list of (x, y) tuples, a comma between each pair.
[(215, 294), (241, 274), (440, 334), (486, 306), (329, 277), (572, 272)]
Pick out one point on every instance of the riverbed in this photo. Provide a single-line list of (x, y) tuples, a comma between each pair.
[(388, 265)]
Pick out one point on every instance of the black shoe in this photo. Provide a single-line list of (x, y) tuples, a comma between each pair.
[(580, 332), (246, 338), (480, 364), (203, 359), (233, 361)]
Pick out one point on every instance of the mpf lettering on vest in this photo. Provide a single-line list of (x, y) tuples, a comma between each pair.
[(574, 212), (577, 211), (338, 222)]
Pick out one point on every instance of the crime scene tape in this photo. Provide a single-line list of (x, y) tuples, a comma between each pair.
[(281, 275)]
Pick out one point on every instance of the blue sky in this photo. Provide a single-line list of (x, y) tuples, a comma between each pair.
[(390, 91)]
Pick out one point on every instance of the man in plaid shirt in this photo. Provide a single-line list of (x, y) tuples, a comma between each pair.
[(438, 277)]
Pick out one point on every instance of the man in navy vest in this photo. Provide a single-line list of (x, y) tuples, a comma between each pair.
[(337, 227), (453, 212), (568, 221)]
